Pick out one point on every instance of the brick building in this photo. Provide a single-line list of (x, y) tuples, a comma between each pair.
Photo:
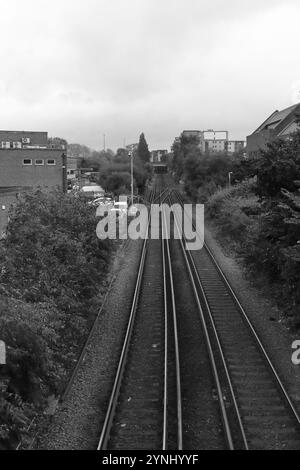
[(279, 125), (27, 161)]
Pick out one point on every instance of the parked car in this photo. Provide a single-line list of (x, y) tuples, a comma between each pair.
[(101, 201)]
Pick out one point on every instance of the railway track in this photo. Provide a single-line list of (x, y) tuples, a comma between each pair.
[(260, 413), (193, 373), (144, 410)]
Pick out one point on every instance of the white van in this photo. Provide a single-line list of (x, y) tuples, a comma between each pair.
[(93, 191)]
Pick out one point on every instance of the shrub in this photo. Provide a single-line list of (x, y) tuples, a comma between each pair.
[(51, 268), (242, 192), (205, 173), (278, 167)]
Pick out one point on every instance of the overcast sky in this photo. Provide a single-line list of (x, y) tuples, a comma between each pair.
[(82, 68)]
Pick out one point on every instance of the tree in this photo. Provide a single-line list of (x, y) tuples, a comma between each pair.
[(177, 160), (278, 167), (57, 142), (143, 150), (205, 173), (118, 182), (122, 156), (53, 272), (182, 148)]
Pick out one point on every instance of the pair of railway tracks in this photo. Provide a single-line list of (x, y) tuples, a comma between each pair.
[(168, 382), (144, 409)]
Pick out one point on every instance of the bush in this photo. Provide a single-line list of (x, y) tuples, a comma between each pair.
[(278, 167), (242, 192), (227, 207), (117, 177), (51, 268), (265, 231), (204, 174)]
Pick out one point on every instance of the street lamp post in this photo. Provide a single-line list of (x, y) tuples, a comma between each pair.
[(229, 178), (130, 154)]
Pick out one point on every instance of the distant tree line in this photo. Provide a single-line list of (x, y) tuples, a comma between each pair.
[(202, 173), (115, 168)]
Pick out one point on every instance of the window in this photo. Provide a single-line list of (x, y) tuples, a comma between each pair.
[(5, 145), (51, 161), (39, 162), (17, 145), (27, 161)]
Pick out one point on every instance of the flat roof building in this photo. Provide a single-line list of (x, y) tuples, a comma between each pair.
[(27, 161)]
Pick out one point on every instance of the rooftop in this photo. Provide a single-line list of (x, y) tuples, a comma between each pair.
[(277, 118)]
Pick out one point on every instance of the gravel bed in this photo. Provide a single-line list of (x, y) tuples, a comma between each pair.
[(77, 422)]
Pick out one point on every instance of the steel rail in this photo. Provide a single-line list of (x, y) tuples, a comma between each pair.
[(159, 197), (215, 372), (166, 390), (252, 329), (221, 352), (165, 237), (166, 343), (165, 418), (105, 433)]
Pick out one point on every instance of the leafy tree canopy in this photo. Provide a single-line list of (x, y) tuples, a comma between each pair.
[(278, 167), (143, 150)]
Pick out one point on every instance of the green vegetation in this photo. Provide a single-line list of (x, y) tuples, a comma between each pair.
[(259, 215), (260, 219), (142, 150), (202, 174), (52, 272), (114, 169), (115, 176)]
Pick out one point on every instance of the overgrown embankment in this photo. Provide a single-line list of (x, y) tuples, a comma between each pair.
[(258, 216), (259, 219), (52, 272)]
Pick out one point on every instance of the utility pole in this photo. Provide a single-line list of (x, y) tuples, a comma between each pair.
[(130, 154), (64, 172), (104, 142), (2, 353)]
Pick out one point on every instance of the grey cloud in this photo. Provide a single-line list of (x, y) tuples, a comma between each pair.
[(80, 68)]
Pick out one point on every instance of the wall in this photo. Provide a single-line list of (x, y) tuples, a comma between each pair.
[(36, 138), (258, 141), (14, 173)]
